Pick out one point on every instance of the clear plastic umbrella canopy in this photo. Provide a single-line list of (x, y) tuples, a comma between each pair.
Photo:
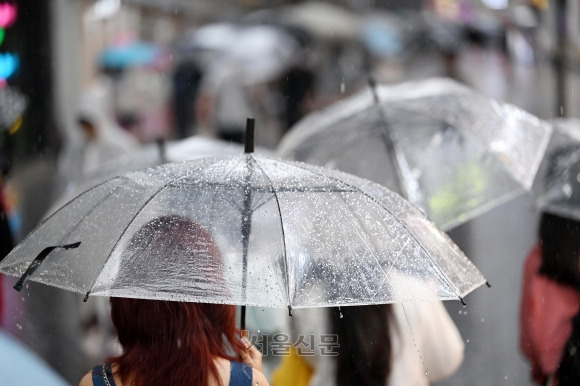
[(450, 151), (557, 186), (246, 230), (154, 154)]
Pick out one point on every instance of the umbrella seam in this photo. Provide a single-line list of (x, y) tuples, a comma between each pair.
[(386, 277), (163, 187), (399, 221), (283, 234), (66, 204)]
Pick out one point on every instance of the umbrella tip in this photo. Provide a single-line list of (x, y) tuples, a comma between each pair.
[(487, 284), (462, 301), (86, 296), (249, 140), (289, 310)]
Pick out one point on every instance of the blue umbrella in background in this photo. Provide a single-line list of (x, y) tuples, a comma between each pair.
[(130, 54), (20, 366)]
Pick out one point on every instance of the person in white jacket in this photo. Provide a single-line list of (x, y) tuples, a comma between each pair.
[(422, 343), (98, 140)]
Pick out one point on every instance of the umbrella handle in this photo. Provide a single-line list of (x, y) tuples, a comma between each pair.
[(39, 259), (243, 318)]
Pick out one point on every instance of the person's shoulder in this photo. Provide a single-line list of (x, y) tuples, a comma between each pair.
[(258, 378), (87, 379)]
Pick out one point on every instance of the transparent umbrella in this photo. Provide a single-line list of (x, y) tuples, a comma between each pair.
[(150, 155), (450, 151), (557, 186), (246, 230)]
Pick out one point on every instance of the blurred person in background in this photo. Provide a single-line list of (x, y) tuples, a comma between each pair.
[(99, 139), (6, 239), (224, 103), (298, 84), (187, 76), (390, 344), (550, 304)]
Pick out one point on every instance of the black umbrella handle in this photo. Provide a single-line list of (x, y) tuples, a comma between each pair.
[(39, 259), (243, 318)]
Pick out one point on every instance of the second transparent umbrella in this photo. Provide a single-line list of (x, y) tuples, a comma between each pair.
[(246, 230), (557, 186), (449, 150)]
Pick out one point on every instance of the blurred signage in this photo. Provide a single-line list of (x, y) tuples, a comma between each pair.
[(7, 14), (9, 62)]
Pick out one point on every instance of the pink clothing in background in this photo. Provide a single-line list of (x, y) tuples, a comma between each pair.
[(546, 315)]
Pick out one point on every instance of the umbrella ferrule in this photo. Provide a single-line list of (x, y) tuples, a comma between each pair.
[(289, 310), (249, 139)]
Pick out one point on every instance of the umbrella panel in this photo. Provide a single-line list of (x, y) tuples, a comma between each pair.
[(557, 188), (443, 170)]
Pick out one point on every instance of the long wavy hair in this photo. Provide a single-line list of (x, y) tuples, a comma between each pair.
[(364, 356), (167, 342), (173, 343), (560, 243)]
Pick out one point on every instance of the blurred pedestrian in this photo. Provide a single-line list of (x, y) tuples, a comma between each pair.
[(392, 344), (224, 104), (297, 87), (6, 237), (99, 140), (186, 76), (175, 343), (550, 306)]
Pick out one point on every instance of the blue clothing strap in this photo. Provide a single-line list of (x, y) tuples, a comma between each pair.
[(99, 374), (240, 374)]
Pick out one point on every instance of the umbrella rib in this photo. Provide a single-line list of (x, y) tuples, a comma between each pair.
[(68, 202), (283, 238), (400, 222), (159, 190)]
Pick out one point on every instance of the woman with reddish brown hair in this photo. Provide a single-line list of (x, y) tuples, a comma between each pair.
[(175, 343)]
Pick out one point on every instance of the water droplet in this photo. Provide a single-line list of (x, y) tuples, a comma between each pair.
[(426, 372), (467, 340), (482, 320), (19, 326)]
